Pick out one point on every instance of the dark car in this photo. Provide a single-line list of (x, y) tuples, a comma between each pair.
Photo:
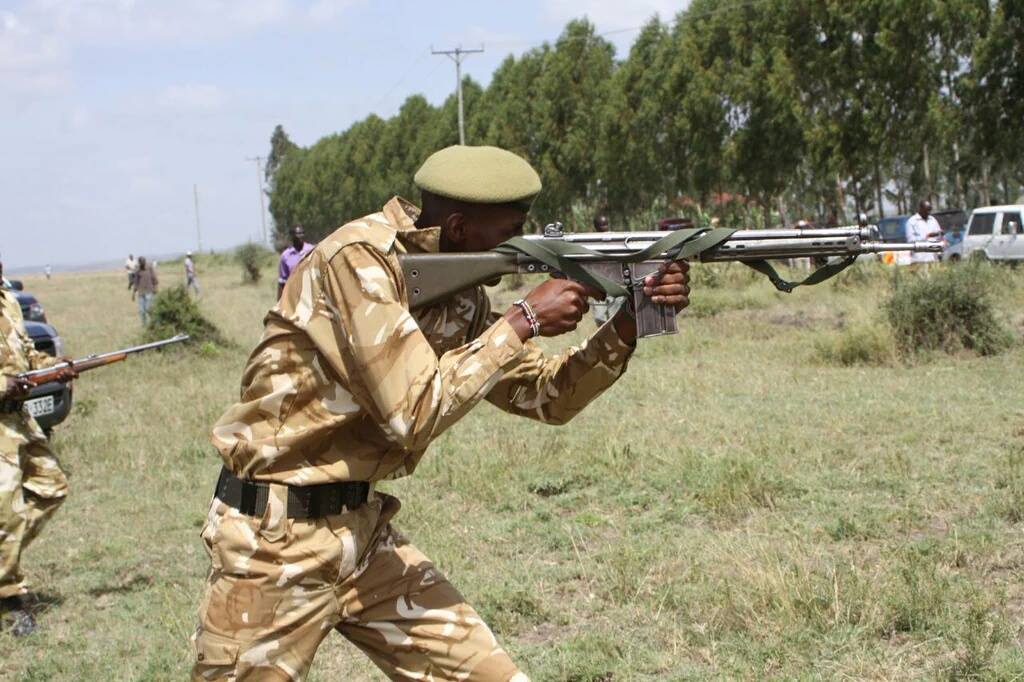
[(893, 229), (31, 308), (49, 403)]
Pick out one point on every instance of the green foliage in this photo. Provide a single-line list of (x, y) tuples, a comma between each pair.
[(253, 258), (280, 147), (916, 594), (735, 485), (173, 311), (868, 343), (756, 113), (1009, 501), (947, 309)]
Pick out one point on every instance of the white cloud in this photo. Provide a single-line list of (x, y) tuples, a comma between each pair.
[(613, 14), (29, 62), (325, 11), (192, 98), (39, 37)]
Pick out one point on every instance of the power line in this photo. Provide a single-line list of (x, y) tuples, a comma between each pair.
[(405, 76), (457, 55)]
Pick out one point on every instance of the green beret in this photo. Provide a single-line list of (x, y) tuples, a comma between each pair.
[(479, 175)]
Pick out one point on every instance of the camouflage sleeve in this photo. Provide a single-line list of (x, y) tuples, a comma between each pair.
[(36, 358), (413, 394), (555, 389)]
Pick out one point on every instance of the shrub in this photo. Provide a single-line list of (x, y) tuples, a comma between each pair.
[(174, 312), (947, 309), (252, 257), (860, 344), (861, 275), (719, 275)]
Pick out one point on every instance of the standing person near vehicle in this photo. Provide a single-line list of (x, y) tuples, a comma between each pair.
[(190, 274), (145, 288), (348, 388), (48, 271), (131, 266), (291, 256), (32, 484), (922, 227)]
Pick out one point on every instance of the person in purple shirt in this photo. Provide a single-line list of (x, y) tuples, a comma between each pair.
[(291, 256)]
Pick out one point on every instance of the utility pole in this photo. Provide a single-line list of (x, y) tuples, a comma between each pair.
[(259, 189), (457, 55), (199, 234)]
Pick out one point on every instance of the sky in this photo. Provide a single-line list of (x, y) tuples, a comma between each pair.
[(113, 111)]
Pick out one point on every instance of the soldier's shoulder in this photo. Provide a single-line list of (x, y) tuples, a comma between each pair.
[(373, 230), (9, 301)]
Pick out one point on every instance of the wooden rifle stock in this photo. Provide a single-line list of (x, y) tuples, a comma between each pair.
[(38, 377)]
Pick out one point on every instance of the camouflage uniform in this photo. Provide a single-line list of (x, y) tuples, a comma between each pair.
[(347, 385), (32, 484)]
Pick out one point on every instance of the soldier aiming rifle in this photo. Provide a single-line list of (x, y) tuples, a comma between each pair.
[(382, 339)]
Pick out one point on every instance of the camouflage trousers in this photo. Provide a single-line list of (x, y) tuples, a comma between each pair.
[(32, 486), (278, 586)]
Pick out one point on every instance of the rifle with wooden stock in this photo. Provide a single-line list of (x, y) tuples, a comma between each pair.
[(617, 262), (37, 377)]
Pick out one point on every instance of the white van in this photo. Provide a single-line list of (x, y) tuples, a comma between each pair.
[(994, 232)]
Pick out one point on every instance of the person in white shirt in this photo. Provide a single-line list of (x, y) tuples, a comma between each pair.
[(191, 281), (131, 266), (922, 227)]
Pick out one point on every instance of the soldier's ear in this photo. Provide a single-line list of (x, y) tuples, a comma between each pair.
[(454, 228)]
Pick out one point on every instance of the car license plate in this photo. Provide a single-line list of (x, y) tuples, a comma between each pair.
[(40, 406)]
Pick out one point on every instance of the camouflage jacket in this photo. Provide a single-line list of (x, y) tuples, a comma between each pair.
[(17, 352), (347, 384)]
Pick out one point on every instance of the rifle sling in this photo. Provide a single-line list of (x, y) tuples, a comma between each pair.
[(679, 245)]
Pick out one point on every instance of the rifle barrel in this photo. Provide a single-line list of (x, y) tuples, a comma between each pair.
[(97, 359), (641, 239)]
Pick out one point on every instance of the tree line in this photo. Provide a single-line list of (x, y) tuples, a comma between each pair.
[(756, 112)]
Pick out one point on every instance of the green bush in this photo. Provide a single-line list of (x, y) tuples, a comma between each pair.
[(253, 258), (720, 275), (947, 309), (174, 312), (861, 275), (859, 344)]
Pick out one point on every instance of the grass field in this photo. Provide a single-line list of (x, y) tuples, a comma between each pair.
[(736, 507)]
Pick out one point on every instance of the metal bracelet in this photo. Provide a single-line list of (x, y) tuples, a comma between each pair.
[(531, 318)]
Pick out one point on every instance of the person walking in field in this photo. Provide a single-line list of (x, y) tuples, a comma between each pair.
[(32, 484), (131, 266), (191, 282), (922, 227), (145, 288), (348, 388), (291, 256)]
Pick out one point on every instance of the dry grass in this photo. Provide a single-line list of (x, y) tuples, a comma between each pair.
[(734, 508)]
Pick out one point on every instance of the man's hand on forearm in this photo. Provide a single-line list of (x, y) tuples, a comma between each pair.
[(558, 306)]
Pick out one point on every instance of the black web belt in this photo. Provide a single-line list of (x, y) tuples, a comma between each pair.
[(304, 502)]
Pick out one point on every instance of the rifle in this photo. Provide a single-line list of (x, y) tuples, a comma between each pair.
[(617, 262), (37, 377)]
